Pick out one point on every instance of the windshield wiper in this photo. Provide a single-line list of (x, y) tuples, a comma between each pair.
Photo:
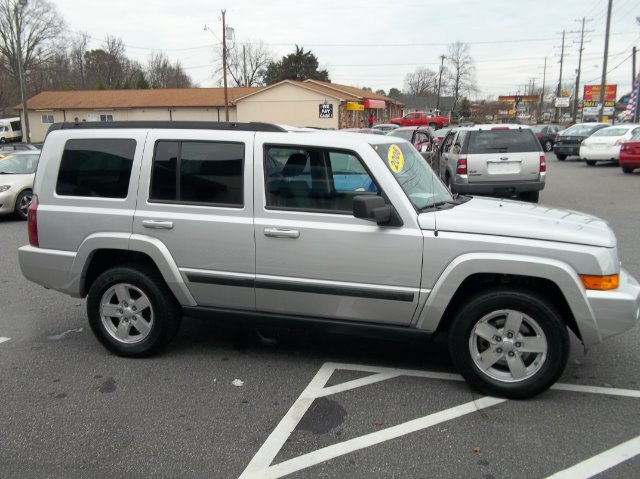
[(440, 204)]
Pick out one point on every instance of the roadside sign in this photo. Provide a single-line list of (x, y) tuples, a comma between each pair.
[(562, 102), (592, 92)]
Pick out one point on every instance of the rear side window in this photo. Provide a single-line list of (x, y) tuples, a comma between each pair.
[(96, 167), (198, 172), (502, 141)]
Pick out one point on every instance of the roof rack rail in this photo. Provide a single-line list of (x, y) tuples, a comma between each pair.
[(182, 125)]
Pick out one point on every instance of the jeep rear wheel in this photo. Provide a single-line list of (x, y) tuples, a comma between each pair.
[(131, 311), (561, 157), (509, 342), (590, 162)]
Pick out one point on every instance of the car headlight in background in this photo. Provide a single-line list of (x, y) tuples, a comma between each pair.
[(4, 188)]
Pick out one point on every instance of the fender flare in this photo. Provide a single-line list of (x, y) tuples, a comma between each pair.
[(152, 247), (558, 272)]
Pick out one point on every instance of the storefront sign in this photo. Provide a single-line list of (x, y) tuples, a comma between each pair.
[(353, 106), (326, 110)]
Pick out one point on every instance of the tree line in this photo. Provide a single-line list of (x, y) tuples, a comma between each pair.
[(54, 59)]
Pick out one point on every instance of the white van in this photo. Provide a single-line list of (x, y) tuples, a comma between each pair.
[(10, 129)]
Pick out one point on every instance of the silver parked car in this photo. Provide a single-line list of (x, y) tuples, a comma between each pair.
[(155, 220), (494, 160), (17, 171)]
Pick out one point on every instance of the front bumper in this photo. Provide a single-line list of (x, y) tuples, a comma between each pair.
[(7, 202), (618, 310)]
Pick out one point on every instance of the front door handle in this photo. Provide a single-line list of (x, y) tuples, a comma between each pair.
[(281, 233), (158, 224)]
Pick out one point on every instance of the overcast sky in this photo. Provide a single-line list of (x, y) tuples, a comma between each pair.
[(375, 43)]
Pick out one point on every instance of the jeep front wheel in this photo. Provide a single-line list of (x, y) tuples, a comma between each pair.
[(131, 311), (509, 343)]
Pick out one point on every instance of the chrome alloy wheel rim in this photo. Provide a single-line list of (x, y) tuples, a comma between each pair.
[(508, 346), (25, 202), (126, 313)]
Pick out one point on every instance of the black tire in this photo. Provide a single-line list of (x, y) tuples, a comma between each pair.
[(2, 140), (541, 368), (627, 169), (144, 330), (530, 196), (433, 125), (590, 162), (561, 157), (547, 145), (23, 201)]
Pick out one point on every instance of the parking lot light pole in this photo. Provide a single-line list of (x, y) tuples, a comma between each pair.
[(23, 99)]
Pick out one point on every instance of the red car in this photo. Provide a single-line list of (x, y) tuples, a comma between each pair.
[(421, 118), (630, 154)]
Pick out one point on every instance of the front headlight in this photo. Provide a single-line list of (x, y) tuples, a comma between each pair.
[(4, 188)]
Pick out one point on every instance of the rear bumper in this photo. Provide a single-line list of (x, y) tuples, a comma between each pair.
[(631, 161), (48, 268), (611, 153), (496, 188), (618, 310), (566, 149)]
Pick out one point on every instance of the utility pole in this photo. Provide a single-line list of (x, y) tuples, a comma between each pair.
[(23, 98), (635, 84), (603, 83), (559, 90), (442, 57), (244, 65), (544, 78), (577, 89), (224, 66)]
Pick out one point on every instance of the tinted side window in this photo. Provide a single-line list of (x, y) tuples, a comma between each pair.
[(96, 167), (198, 172), (315, 179)]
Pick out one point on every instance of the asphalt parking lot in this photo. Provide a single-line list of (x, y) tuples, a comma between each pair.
[(224, 402)]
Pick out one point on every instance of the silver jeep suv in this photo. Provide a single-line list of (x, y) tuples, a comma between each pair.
[(153, 221)]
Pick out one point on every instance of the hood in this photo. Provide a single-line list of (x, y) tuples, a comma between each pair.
[(524, 220), (20, 181)]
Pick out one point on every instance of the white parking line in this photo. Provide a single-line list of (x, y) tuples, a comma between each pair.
[(601, 462), (2, 340), (261, 464)]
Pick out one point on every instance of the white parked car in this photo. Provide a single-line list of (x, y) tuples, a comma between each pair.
[(604, 144)]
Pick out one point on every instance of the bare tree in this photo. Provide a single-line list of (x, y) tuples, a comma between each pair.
[(247, 63), (161, 73), (78, 47), (39, 26), (421, 82), (460, 72)]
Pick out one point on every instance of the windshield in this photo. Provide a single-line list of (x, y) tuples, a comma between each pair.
[(19, 164), (405, 134), (414, 175), (611, 132), (580, 130)]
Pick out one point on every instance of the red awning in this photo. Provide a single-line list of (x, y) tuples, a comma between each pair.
[(374, 103)]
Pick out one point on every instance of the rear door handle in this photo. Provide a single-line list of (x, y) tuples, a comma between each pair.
[(158, 224), (281, 233)]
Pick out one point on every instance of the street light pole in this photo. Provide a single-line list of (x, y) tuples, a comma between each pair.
[(23, 98)]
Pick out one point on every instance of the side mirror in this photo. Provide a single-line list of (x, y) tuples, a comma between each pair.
[(374, 208)]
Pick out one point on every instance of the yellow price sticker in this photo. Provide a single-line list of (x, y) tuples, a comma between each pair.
[(395, 159)]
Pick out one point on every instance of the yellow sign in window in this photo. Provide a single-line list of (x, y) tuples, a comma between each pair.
[(353, 106)]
